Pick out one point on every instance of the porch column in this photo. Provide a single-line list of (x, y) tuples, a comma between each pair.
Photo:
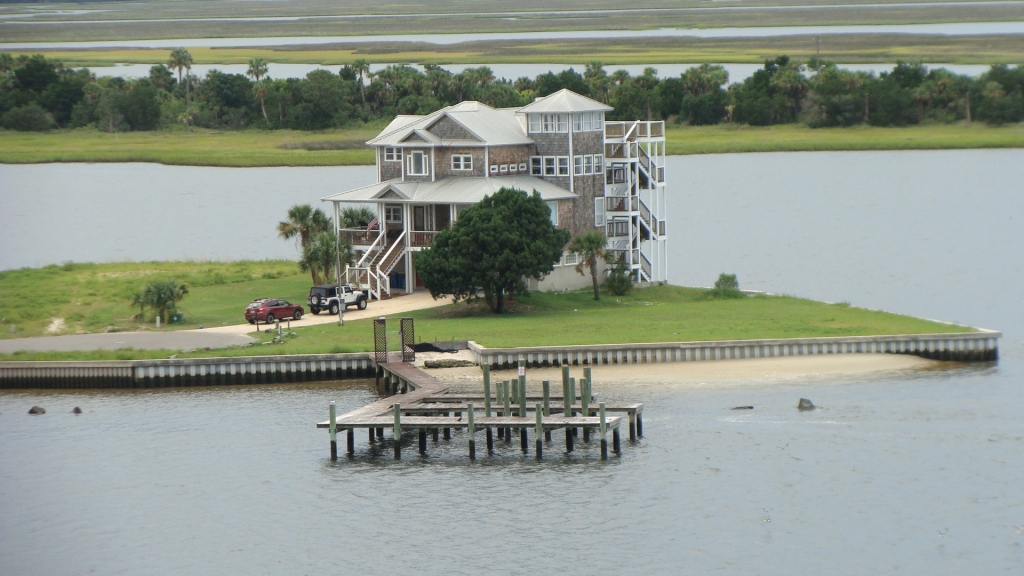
[(410, 281)]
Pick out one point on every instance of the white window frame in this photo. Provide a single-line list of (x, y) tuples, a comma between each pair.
[(588, 121), (522, 167), (535, 122), (536, 165), (410, 162), (551, 166), (392, 154), (588, 164), (570, 259), (578, 122), (389, 210), (550, 122), (513, 168), (494, 168), (563, 123), (599, 212), (598, 163), (504, 168), (578, 165), (553, 208), (563, 165), (462, 162)]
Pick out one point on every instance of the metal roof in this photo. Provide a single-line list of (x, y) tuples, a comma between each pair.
[(458, 190), (492, 127), (564, 100)]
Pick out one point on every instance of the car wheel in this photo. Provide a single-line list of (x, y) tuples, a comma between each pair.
[(361, 304), (252, 321), (334, 308), (270, 319), (297, 315), (314, 309)]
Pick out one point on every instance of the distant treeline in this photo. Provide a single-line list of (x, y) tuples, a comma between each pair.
[(38, 94)]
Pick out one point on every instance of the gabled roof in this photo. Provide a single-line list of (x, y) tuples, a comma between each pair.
[(565, 100), (492, 127), (460, 190)]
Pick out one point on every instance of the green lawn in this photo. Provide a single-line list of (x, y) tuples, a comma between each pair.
[(96, 297), (656, 314), (288, 148)]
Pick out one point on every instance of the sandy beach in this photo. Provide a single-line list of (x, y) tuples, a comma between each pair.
[(697, 374)]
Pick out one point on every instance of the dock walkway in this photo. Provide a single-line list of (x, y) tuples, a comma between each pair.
[(420, 401)]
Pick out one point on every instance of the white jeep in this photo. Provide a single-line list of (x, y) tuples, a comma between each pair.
[(326, 298)]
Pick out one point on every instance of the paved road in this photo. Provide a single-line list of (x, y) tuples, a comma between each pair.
[(218, 337), (178, 340)]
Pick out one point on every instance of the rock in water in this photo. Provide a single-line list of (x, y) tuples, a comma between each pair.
[(805, 404), (77, 410), (37, 410)]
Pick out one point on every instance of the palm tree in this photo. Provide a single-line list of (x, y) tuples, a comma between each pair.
[(257, 69), (304, 222), (591, 247), (361, 67), (181, 60), (161, 296), (322, 255), (260, 90)]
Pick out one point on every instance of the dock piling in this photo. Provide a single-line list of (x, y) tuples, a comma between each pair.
[(585, 405), (632, 427), (639, 425), (522, 388), (487, 404), (603, 429), (334, 432), (472, 433), (398, 431), (434, 435), (423, 441), (539, 431), (572, 402), (351, 443), (547, 406), (616, 444), (370, 430)]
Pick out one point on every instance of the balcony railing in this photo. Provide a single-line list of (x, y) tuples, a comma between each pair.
[(630, 131), (358, 236), (422, 239)]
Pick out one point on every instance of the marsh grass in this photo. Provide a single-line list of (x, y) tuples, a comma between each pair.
[(250, 148)]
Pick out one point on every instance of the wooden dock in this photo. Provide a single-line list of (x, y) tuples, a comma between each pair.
[(421, 402)]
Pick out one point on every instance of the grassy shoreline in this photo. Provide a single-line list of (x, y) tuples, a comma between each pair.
[(97, 296), (254, 148)]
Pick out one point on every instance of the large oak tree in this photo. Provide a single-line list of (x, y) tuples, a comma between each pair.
[(492, 247)]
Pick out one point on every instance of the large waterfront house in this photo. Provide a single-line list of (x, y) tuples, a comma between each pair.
[(592, 173)]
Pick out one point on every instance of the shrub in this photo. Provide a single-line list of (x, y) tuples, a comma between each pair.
[(29, 118), (619, 281), (726, 287)]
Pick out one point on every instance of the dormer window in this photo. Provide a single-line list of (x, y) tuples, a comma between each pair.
[(392, 154), (416, 164)]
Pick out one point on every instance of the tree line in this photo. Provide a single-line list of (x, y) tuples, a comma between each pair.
[(37, 93)]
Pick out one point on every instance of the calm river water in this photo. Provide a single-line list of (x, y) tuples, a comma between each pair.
[(916, 472)]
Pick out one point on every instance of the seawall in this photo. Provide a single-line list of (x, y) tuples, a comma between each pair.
[(980, 346)]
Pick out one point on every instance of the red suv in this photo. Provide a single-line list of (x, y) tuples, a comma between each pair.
[(269, 309)]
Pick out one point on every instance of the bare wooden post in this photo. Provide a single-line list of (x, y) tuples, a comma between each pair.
[(616, 443), (639, 425), (566, 403), (572, 400), (351, 441), (568, 439), (487, 406), (433, 434), (370, 430), (508, 409), (604, 429), (398, 431), (585, 406), (587, 374), (472, 433), (380, 433), (632, 426), (423, 441), (539, 430), (333, 427), (565, 381), (523, 440), (522, 388), (547, 406)]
